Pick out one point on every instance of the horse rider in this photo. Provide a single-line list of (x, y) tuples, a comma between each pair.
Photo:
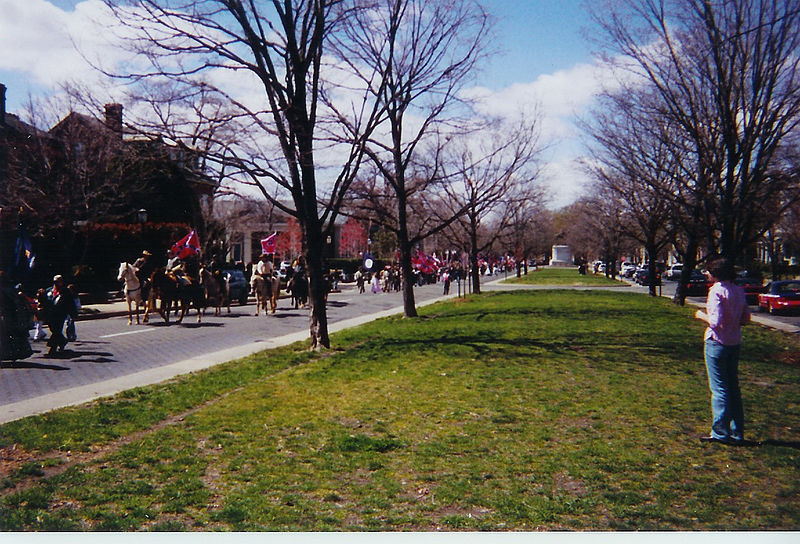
[(265, 268), (145, 266)]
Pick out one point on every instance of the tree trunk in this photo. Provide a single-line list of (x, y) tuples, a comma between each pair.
[(318, 326), (473, 255), (689, 262), (407, 271)]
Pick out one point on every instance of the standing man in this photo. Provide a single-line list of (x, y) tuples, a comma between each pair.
[(61, 305), (726, 312)]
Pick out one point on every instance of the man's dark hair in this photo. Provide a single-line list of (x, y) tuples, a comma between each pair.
[(722, 269)]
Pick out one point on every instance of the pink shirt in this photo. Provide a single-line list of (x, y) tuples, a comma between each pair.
[(727, 311)]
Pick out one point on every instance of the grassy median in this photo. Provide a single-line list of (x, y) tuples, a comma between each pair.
[(531, 410), (567, 277)]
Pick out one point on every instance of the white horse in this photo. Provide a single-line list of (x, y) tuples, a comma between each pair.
[(132, 289)]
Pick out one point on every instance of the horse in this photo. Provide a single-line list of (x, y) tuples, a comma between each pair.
[(132, 290), (216, 289), (163, 287), (191, 294), (266, 291)]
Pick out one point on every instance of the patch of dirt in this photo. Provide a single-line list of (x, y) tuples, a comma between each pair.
[(563, 482), (791, 358)]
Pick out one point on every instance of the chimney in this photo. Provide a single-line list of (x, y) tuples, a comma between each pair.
[(114, 118), (2, 105)]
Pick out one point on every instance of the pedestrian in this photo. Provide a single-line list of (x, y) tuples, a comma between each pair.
[(376, 282), (300, 283), (726, 312), (60, 304), (72, 291), (446, 282), (359, 281)]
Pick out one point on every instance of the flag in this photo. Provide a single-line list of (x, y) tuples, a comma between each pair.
[(270, 244), (24, 258), (188, 246), (424, 263), (367, 262)]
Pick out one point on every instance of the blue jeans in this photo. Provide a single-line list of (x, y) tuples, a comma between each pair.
[(722, 365)]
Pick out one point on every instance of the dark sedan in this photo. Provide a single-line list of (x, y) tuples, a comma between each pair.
[(780, 296), (238, 288), (697, 285)]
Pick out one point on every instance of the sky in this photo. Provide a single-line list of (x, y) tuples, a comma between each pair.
[(542, 59)]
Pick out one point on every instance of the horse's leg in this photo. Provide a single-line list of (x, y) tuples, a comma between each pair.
[(166, 308), (130, 310)]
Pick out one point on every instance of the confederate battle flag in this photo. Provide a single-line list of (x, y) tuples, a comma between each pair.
[(270, 244), (188, 246)]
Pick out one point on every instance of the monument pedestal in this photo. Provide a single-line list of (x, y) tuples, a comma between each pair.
[(562, 256)]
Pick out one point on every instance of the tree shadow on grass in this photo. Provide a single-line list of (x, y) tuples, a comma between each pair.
[(783, 443)]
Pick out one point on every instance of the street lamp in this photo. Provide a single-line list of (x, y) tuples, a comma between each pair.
[(141, 215)]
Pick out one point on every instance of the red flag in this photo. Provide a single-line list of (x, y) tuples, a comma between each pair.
[(187, 246), (270, 244)]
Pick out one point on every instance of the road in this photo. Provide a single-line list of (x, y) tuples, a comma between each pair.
[(111, 356)]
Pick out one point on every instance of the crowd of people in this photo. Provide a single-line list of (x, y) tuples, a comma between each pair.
[(52, 310)]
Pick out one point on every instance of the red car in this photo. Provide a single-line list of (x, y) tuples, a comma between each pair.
[(779, 296)]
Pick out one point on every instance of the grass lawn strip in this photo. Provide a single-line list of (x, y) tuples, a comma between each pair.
[(566, 277), (532, 410)]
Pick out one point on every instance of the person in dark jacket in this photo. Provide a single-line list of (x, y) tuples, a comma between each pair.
[(60, 304)]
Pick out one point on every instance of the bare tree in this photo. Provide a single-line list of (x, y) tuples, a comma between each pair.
[(635, 165), (529, 230), (494, 173), (425, 51), (726, 74), (276, 48)]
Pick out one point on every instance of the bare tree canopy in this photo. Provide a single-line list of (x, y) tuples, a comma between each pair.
[(726, 76), (265, 63), (493, 178), (425, 51)]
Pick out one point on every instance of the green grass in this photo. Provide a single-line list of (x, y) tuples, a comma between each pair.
[(558, 410), (558, 276)]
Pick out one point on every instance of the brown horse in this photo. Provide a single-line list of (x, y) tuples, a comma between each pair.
[(164, 288), (216, 288), (266, 291), (171, 290)]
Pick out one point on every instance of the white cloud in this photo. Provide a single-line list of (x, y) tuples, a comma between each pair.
[(41, 38), (558, 98)]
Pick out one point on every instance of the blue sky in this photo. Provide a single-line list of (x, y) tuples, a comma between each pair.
[(544, 60)]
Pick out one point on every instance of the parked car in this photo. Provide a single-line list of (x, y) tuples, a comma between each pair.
[(627, 269), (238, 288), (697, 285), (674, 272), (753, 286), (779, 296), (642, 276)]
